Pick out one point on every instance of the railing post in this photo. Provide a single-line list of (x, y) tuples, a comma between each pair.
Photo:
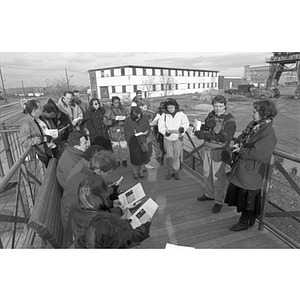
[(265, 192), (6, 146)]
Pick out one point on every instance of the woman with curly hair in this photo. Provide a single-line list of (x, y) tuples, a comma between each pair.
[(254, 147)]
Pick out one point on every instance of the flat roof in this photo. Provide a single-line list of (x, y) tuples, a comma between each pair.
[(151, 67)]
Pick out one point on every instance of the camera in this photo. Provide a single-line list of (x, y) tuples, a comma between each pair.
[(228, 156)]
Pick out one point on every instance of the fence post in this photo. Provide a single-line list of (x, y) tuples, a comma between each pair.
[(6, 146), (265, 192)]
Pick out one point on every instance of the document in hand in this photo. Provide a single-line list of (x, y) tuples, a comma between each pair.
[(51, 132), (120, 118), (172, 246), (143, 214), (132, 196), (196, 127)]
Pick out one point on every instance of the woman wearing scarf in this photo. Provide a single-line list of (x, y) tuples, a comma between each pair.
[(136, 130), (254, 147), (98, 131)]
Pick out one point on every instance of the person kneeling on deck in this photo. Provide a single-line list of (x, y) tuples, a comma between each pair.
[(94, 225), (254, 147), (217, 132), (172, 125), (78, 143)]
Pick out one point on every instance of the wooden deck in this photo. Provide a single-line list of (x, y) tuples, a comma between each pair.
[(182, 220)]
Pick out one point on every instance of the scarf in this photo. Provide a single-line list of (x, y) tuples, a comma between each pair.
[(252, 128)]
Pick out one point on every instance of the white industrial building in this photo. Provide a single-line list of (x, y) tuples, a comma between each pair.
[(124, 81)]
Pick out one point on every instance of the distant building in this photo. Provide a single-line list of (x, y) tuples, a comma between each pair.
[(124, 81), (229, 82)]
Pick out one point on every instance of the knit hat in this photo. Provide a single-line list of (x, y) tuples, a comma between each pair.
[(138, 92), (89, 153)]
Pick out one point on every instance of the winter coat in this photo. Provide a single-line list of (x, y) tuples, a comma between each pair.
[(73, 111), (116, 128), (253, 157), (98, 131), (124, 236), (174, 121), (31, 135), (137, 156), (69, 158)]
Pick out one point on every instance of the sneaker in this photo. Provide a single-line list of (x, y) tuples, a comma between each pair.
[(205, 198), (176, 176), (217, 207), (149, 166), (238, 227), (142, 176), (251, 222), (137, 177), (169, 176), (124, 163)]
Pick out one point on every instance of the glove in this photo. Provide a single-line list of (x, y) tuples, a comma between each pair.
[(181, 130), (200, 134), (168, 133), (211, 123)]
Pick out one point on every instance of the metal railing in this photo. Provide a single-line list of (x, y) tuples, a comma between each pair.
[(18, 190)]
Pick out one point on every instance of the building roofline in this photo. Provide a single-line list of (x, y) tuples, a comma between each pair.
[(151, 67)]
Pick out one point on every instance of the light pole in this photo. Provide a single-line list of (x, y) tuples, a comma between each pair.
[(68, 77), (4, 93)]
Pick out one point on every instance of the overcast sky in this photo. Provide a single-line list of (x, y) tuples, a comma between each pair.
[(35, 68)]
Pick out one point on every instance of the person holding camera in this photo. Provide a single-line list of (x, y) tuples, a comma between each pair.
[(217, 132), (172, 124), (254, 147)]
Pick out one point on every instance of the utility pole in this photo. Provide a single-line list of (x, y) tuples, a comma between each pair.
[(68, 85), (4, 93), (23, 89)]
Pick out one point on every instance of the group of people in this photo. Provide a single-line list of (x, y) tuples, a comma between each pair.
[(95, 141)]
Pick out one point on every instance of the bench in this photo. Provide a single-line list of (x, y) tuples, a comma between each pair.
[(45, 218)]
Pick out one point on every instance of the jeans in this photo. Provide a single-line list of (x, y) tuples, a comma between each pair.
[(214, 178), (173, 150), (120, 150), (137, 170)]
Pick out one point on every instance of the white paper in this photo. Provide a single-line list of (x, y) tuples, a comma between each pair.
[(132, 196), (120, 118), (172, 246), (144, 214), (64, 128), (51, 132), (197, 125), (76, 120)]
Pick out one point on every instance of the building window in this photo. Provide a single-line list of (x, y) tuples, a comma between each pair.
[(133, 71), (123, 88), (188, 86), (112, 74), (102, 73), (198, 85), (176, 72), (153, 72), (194, 85), (113, 89), (176, 86), (154, 87), (169, 72), (161, 72), (162, 87), (144, 72), (170, 86), (122, 72)]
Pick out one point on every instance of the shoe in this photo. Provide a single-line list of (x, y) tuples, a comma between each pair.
[(176, 176), (238, 227), (118, 164), (136, 177), (124, 163), (205, 198), (142, 176), (217, 207), (149, 166), (251, 222), (169, 176), (158, 159)]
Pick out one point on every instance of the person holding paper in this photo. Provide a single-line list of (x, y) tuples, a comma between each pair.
[(98, 131), (92, 199), (31, 133), (68, 106), (136, 130), (172, 125), (217, 133), (114, 119)]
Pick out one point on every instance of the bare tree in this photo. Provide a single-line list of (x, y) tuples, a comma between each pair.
[(148, 84), (57, 87), (168, 83)]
